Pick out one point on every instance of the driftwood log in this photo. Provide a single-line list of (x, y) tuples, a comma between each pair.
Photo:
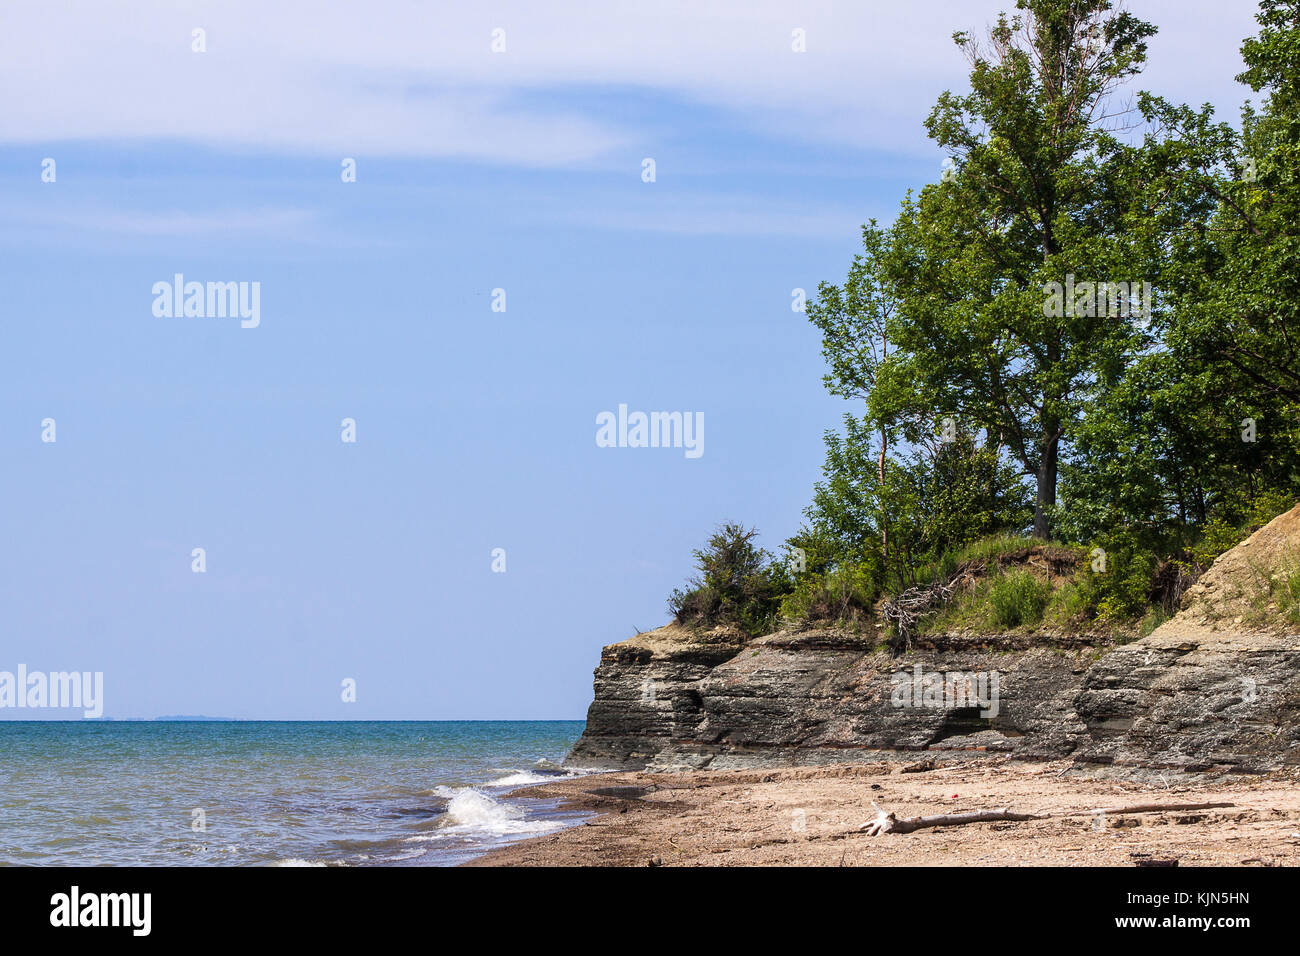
[(889, 823), (1143, 808), (886, 822)]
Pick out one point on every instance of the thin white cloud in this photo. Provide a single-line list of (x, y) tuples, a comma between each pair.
[(230, 224), (410, 78), (67, 224)]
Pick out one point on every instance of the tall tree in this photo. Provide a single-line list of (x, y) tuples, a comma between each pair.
[(1205, 425), (1243, 315), (854, 321), (973, 256)]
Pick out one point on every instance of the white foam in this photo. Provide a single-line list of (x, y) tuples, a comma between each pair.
[(518, 778), (473, 810), (521, 777), (295, 861)]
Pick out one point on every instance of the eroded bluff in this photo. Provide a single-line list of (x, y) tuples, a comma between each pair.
[(1197, 700)]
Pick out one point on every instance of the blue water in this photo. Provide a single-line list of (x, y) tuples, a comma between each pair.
[(273, 793)]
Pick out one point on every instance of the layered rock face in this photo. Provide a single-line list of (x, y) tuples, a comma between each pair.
[(647, 694), (1218, 685), (792, 698), (1189, 696), (667, 700), (1195, 701)]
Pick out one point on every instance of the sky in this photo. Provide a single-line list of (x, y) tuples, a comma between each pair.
[(520, 169)]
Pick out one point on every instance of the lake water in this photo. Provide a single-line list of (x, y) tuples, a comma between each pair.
[(273, 793)]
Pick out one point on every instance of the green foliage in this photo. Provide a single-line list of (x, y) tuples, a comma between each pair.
[(853, 319), (1240, 305), (738, 584), (961, 493), (927, 504), (1123, 590), (1068, 606), (1284, 590), (843, 595), (970, 259), (1217, 536), (1018, 597), (1161, 439), (1023, 597), (1189, 437)]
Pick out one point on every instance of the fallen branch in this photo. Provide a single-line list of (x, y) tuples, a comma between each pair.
[(907, 608), (1143, 808), (890, 823)]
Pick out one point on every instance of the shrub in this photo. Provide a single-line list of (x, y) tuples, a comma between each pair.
[(1018, 597), (842, 594), (738, 584), (1127, 587), (1217, 536)]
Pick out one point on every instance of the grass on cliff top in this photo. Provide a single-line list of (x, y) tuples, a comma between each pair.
[(1013, 584), (1005, 583), (1000, 550), (1013, 599), (1025, 586), (1274, 595), (1017, 585)]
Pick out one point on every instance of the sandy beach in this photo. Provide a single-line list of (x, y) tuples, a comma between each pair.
[(813, 815)]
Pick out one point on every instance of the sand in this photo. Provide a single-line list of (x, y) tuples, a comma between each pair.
[(812, 816)]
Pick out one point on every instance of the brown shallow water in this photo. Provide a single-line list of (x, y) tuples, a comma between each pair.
[(811, 816)]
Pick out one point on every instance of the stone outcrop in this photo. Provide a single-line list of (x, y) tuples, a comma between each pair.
[(1187, 697), (647, 693), (817, 696), (1195, 701)]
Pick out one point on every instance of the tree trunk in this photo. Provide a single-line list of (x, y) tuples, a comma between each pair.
[(884, 526), (884, 444), (1046, 498)]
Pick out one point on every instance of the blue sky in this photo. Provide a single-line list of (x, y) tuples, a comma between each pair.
[(475, 429)]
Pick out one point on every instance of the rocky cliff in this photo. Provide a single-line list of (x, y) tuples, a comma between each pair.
[(1193, 695)]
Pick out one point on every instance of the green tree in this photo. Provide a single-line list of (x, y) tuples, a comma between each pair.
[(971, 258), (854, 321), (738, 583), (1201, 425), (935, 499), (1250, 310)]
